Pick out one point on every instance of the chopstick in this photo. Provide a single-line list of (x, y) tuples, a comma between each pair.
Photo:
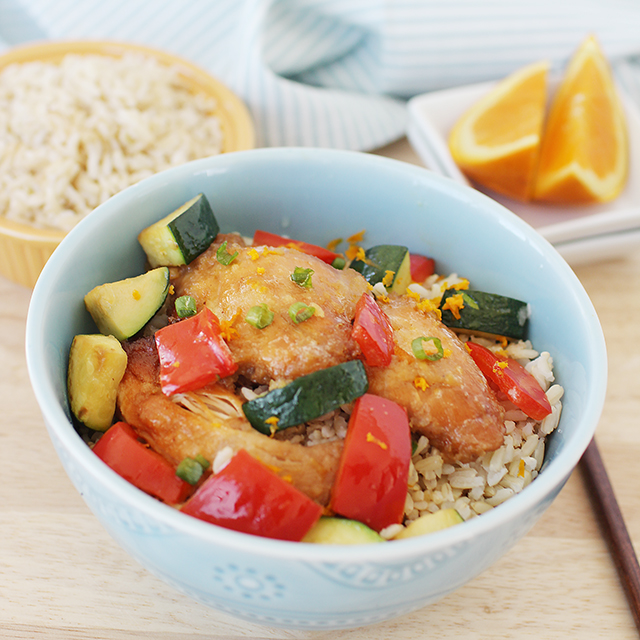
[(612, 523)]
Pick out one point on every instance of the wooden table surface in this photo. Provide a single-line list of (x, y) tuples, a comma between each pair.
[(63, 577)]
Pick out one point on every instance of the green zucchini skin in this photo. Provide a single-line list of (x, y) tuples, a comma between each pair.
[(383, 258), (308, 397), (195, 229), (180, 237), (487, 313)]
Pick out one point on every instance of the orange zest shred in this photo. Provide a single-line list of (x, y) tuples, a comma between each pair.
[(429, 306), (372, 438), (356, 252), (454, 304), (412, 294), (498, 367), (463, 284), (356, 237), (387, 281), (521, 469), (352, 252), (273, 425), (333, 244), (420, 383), (227, 331)]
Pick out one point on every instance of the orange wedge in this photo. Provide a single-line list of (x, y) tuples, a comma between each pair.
[(496, 143), (584, 154)]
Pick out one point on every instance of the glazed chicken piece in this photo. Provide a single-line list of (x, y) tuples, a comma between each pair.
[(456, 410), (181, 427), (260, 275)]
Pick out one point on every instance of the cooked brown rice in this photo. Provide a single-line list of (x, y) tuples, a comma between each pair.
[(74, 134)]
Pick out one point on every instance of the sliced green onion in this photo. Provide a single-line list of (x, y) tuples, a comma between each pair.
[(185, 307), (469, 300), (190, 470), (223, 256), (259, 316), (302, 277), (419, 352), (204, 463), (299, 312), (339, 263)]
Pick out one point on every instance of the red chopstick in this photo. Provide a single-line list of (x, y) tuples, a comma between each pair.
[(613, 527)]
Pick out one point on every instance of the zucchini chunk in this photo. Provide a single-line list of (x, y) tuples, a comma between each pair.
[(96, 366), (330, 530), (487, 314), (430, 523), (386, 263), (122, 308), (307, 397), (181, 236)]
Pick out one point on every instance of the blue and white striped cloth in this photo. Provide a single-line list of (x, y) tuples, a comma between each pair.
[(337, 73)]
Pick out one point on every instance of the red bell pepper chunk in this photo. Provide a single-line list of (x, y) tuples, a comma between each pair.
[(373, 332), (371, 483), (274, 240), (192, 353), (510, 377), (120, 448), (421, 267), (247, 496)]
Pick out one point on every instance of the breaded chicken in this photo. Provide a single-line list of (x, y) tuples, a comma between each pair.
[(456, 410), (260, 275), (177, 432)]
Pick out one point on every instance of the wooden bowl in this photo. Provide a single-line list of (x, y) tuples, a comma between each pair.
[(24, 249)]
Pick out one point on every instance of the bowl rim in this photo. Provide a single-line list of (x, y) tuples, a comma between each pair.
[(55, 50), (550, 480)]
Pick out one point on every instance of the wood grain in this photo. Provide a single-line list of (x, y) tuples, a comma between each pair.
[(62, 577)]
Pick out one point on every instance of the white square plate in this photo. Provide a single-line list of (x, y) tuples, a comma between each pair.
[(580, 233)]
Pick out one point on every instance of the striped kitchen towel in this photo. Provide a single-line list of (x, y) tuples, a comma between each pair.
[(337, 73)]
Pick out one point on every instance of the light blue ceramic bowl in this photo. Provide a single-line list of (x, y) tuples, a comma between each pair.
[(318, 195)]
